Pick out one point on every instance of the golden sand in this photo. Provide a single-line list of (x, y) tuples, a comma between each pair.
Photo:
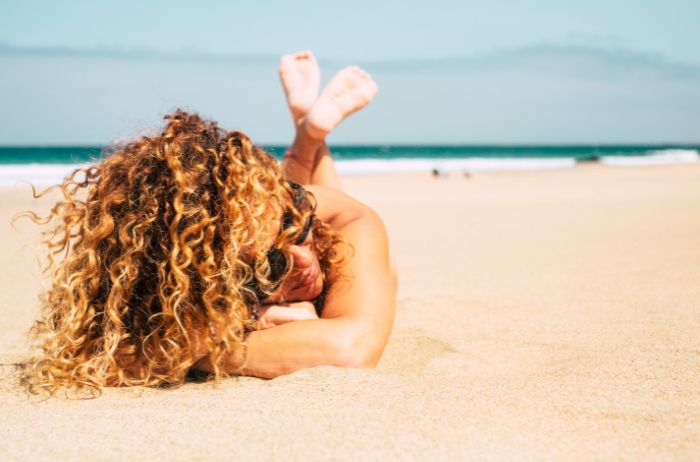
[(542, 315)]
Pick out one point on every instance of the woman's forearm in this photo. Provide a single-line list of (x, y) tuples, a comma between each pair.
[(293, 346)]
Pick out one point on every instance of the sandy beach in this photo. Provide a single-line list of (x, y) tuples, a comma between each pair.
[(542, 315)]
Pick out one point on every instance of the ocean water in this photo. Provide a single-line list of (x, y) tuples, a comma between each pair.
[(48, 165)]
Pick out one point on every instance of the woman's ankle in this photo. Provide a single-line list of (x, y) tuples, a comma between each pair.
[(304, 160)]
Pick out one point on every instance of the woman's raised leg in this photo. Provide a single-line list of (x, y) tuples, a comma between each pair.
[(309, 160)]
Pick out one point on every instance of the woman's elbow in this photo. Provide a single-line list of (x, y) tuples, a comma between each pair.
[(356, 351)]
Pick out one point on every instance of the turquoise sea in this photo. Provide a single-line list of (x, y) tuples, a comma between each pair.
[(48, 164), (80, 154)]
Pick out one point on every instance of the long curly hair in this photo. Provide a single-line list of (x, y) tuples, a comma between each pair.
[(153, 247)]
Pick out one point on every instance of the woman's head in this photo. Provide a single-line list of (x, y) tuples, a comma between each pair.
[(298, 278), (166, 237)]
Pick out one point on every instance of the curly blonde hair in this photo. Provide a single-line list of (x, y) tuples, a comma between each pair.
[(153, 246)]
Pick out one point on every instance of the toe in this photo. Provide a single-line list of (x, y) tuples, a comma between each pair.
[(373, 88), (285, 60), (358, 72)]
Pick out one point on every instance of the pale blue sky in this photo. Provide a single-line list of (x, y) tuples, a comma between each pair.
[(448, 71)]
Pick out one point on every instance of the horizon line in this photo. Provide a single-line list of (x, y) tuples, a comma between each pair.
[(693, 144)]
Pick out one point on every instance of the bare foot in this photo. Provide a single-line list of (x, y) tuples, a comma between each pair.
[(301, 80), (349, 90)]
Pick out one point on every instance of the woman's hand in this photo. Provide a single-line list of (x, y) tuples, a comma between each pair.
[(276, 314)]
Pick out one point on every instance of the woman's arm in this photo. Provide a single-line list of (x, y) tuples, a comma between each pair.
[(359, 309), (290, 347)]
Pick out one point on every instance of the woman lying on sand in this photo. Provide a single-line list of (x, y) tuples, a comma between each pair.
[(196, 250)]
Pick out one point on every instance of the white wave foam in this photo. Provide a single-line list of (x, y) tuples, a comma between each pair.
[(656, 157), (391, 166), (40, 175)]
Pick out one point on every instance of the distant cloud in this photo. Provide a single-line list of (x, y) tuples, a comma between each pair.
[(126, 53), (561, 59), (583, 60)]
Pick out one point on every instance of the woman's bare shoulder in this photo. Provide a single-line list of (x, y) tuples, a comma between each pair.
[(336, 207)]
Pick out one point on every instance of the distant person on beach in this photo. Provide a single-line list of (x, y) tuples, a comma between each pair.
[(194, 250)]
